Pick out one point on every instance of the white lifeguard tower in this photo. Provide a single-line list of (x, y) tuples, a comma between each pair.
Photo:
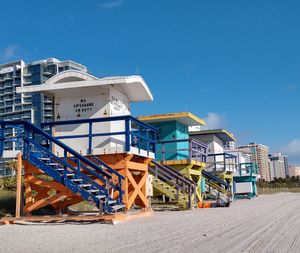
[(92, 116)]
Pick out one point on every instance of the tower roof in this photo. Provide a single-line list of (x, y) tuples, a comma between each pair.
[(185, 118), (222, 134), (134, 87)]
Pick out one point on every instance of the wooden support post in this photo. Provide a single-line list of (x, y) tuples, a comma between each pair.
[(19, 186)]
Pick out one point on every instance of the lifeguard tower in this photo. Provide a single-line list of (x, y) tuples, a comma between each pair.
[(219, 162), (246, 175), (178, 153), (93, 149), (244, 181)]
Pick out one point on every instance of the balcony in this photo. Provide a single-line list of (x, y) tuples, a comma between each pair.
[(181, 151), (129, 135), (8, 91), (17, 101), (247, 169), (17, 84), (48, 73), (8, 85), (8, 117), (18, 108), (221, 162), (6, 78), (26, 82), (48, 115), (26, 73), (26, 116), (27, 100), (6, 99)]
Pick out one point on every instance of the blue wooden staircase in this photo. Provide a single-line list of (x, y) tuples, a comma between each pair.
[(80, 175)]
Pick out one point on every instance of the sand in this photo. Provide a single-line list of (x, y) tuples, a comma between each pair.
[(269, 223)]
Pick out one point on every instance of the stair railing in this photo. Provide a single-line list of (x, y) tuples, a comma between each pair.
[(30, 133), (191, 149), (175, 179)]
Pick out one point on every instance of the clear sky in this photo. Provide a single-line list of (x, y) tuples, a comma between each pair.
[(235, 63)]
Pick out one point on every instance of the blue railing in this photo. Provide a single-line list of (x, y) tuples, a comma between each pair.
[(185, 149), (221, 162), (211, 177), (28, 135), (137, 133)]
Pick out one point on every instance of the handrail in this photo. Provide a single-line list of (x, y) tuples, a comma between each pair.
[(108, 167), (214, 178), (114, 118), (183, 177), (198, 153), (219, 189), (187, 185), (35, 129), (81, 162), (130, 130), (76, 171), (226, 158), (226, 155), (172, 174), (120, 177), (252, 165), (183, 140)]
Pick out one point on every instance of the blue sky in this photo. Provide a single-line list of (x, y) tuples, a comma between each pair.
[(235, 63)]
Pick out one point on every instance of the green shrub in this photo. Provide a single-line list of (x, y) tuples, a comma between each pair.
[(8, 183)]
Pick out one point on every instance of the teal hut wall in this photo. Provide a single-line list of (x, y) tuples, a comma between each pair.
[(172, 130)]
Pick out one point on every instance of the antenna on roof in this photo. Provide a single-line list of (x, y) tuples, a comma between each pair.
[(137, 70)]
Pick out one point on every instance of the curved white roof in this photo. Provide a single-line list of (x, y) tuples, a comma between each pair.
[(70, 76), (134, 87)]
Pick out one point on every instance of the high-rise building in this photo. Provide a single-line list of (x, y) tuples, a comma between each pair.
[(294, 170), (260, 155), (286, 164), (278, 165), (35, 108)]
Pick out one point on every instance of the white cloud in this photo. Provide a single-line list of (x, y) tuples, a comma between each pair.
[(9, 52), (214, 120), (111, 4), (292, 148), (291, 87)]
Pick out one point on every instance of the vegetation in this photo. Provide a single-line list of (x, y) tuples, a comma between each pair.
[(288, 184), (9, 183), (7, 202), (8, 190)]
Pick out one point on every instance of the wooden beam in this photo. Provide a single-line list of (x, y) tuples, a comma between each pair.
[(137, 190), (68, 202), (46, 201), (19, 186), (137, 166), (48, 184)]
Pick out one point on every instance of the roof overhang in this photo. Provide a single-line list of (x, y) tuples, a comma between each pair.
[(222, 134), (186, 118), (134, 87)]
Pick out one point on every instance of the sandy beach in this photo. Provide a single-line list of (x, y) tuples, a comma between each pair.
[(269, 223)]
